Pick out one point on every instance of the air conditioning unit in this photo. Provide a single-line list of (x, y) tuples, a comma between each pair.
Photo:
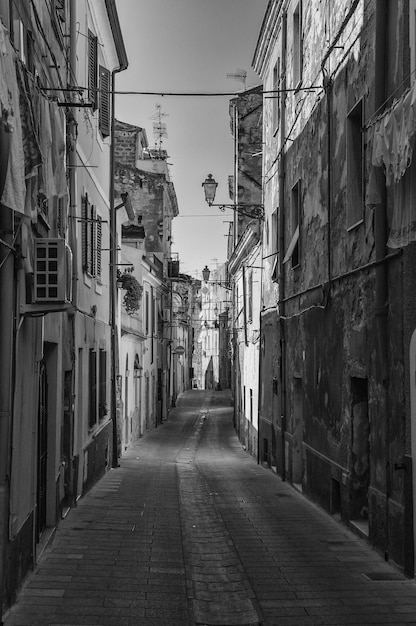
[(53, 272)]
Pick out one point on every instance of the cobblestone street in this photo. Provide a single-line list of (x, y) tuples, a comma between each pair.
[(191, 530)]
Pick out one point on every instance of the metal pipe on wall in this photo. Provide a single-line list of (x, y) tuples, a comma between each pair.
[(7, 308), (282, 181), (380, 235)]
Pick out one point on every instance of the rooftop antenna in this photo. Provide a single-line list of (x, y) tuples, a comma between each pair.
[(239, 75), (159, 128)]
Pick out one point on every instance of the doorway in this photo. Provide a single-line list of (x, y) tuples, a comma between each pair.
[(412, 377), (297, 457), (42, 457), (360, 453)]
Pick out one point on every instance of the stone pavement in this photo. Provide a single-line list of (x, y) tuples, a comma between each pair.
[(190, 530)]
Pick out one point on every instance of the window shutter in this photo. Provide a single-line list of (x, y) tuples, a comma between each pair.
[(84, 231), (92, 69), (61, 219), (92, 242), (92, 417), (104, 111), (102, 405), (99, 230)]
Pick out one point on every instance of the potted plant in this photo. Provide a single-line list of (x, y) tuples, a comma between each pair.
[(133, 289)]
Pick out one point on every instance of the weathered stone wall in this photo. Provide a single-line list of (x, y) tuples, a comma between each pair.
[(344, 396)]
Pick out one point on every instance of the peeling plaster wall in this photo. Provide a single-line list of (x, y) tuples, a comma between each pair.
[(246, 113), (345, 420), (147, 182)]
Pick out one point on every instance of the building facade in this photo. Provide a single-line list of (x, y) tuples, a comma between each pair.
[(143, 174), (245, 261), (56, 432), (336, 409)]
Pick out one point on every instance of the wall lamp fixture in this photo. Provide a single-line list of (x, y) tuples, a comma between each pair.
[(222, 283), (249, 209)]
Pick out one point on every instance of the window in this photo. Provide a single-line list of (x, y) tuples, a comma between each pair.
[(104, 99), (293, 252), (275, 243), (276, 95), (92, 405), (146, 311), (58, 11), (297, 46), (251, 405), (92, 69), (61, 216), (102, 391), (20, 32), (98, 246), (355, 166), (250, 295), (91, 239)]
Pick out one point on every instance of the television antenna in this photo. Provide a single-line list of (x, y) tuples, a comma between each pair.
[(239, 75), (159, 127)]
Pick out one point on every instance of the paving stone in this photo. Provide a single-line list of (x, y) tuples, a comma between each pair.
[(190, 530)]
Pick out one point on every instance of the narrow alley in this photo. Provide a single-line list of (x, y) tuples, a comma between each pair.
[(191, 530)]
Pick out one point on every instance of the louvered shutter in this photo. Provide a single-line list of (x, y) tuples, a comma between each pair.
[(84, 231), (61, 218), (92, 241), (92, 69), (92, 408), (98, 247), (102, 389), (104, 110)]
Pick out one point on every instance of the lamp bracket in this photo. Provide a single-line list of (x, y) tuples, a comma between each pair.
[(255, 211)]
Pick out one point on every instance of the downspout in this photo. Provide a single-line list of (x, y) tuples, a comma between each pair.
[(72, 162), (7, 307), (328, 90), (236, 354), (281, 282), (380, 234), (113, 280), (72, 156), (122, 56)]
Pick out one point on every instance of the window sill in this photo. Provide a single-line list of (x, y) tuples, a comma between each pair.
[(87, 280)]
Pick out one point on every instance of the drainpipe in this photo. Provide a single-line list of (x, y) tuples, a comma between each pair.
[(122, 57), (72, 162), (113, 280), (328, 91), (380, 233), (7, 307), (72, 156), (282, 177)]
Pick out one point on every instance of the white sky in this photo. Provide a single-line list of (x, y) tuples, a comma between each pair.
[(190, 46)]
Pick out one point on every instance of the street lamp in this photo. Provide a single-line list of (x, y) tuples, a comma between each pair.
[(249, 209), (222, 283)]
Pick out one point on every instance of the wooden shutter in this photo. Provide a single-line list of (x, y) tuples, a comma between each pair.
[(84, 231), (92, 412), (61, 216), (92, 69), (98, 238), (104, 110), (102, 406), (92, 241)]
